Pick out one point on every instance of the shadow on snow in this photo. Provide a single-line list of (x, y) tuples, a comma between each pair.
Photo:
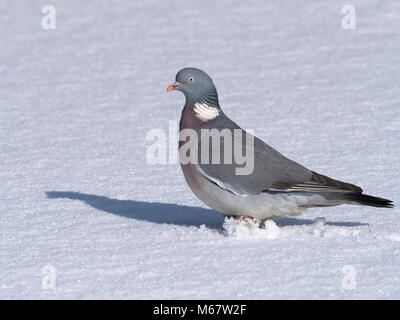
[(157, 212)]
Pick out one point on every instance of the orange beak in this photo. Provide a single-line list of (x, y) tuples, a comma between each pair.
[(173, 86)]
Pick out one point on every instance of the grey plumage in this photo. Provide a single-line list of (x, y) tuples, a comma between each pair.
[(277, 186)]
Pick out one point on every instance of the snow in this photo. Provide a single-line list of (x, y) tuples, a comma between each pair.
[(78, 196), (249, 229)]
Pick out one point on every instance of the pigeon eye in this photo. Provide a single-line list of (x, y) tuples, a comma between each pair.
[(191, 79)]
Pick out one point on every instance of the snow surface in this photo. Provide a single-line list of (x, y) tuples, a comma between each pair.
[(77, 193)]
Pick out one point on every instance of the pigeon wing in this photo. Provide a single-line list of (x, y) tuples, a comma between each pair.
[(272, 171)]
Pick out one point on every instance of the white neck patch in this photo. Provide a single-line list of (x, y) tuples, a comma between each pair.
[(204, 112)]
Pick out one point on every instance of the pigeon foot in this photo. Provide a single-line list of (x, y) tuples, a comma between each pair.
[(242, 218)]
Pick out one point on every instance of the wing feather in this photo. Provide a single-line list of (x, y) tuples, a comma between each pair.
[(272, 171)]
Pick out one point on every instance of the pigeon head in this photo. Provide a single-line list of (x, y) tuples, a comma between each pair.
[(196, 85)]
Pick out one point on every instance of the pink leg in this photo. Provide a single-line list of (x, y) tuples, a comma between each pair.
[(241, 218)]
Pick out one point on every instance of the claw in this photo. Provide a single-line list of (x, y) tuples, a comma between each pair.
[(254, 220)]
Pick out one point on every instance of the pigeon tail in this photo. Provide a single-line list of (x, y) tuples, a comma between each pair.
[(367, 200)]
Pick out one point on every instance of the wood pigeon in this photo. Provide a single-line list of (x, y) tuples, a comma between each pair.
[(275, 186)]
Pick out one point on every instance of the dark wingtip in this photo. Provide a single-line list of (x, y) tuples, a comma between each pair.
[(368, 200)]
